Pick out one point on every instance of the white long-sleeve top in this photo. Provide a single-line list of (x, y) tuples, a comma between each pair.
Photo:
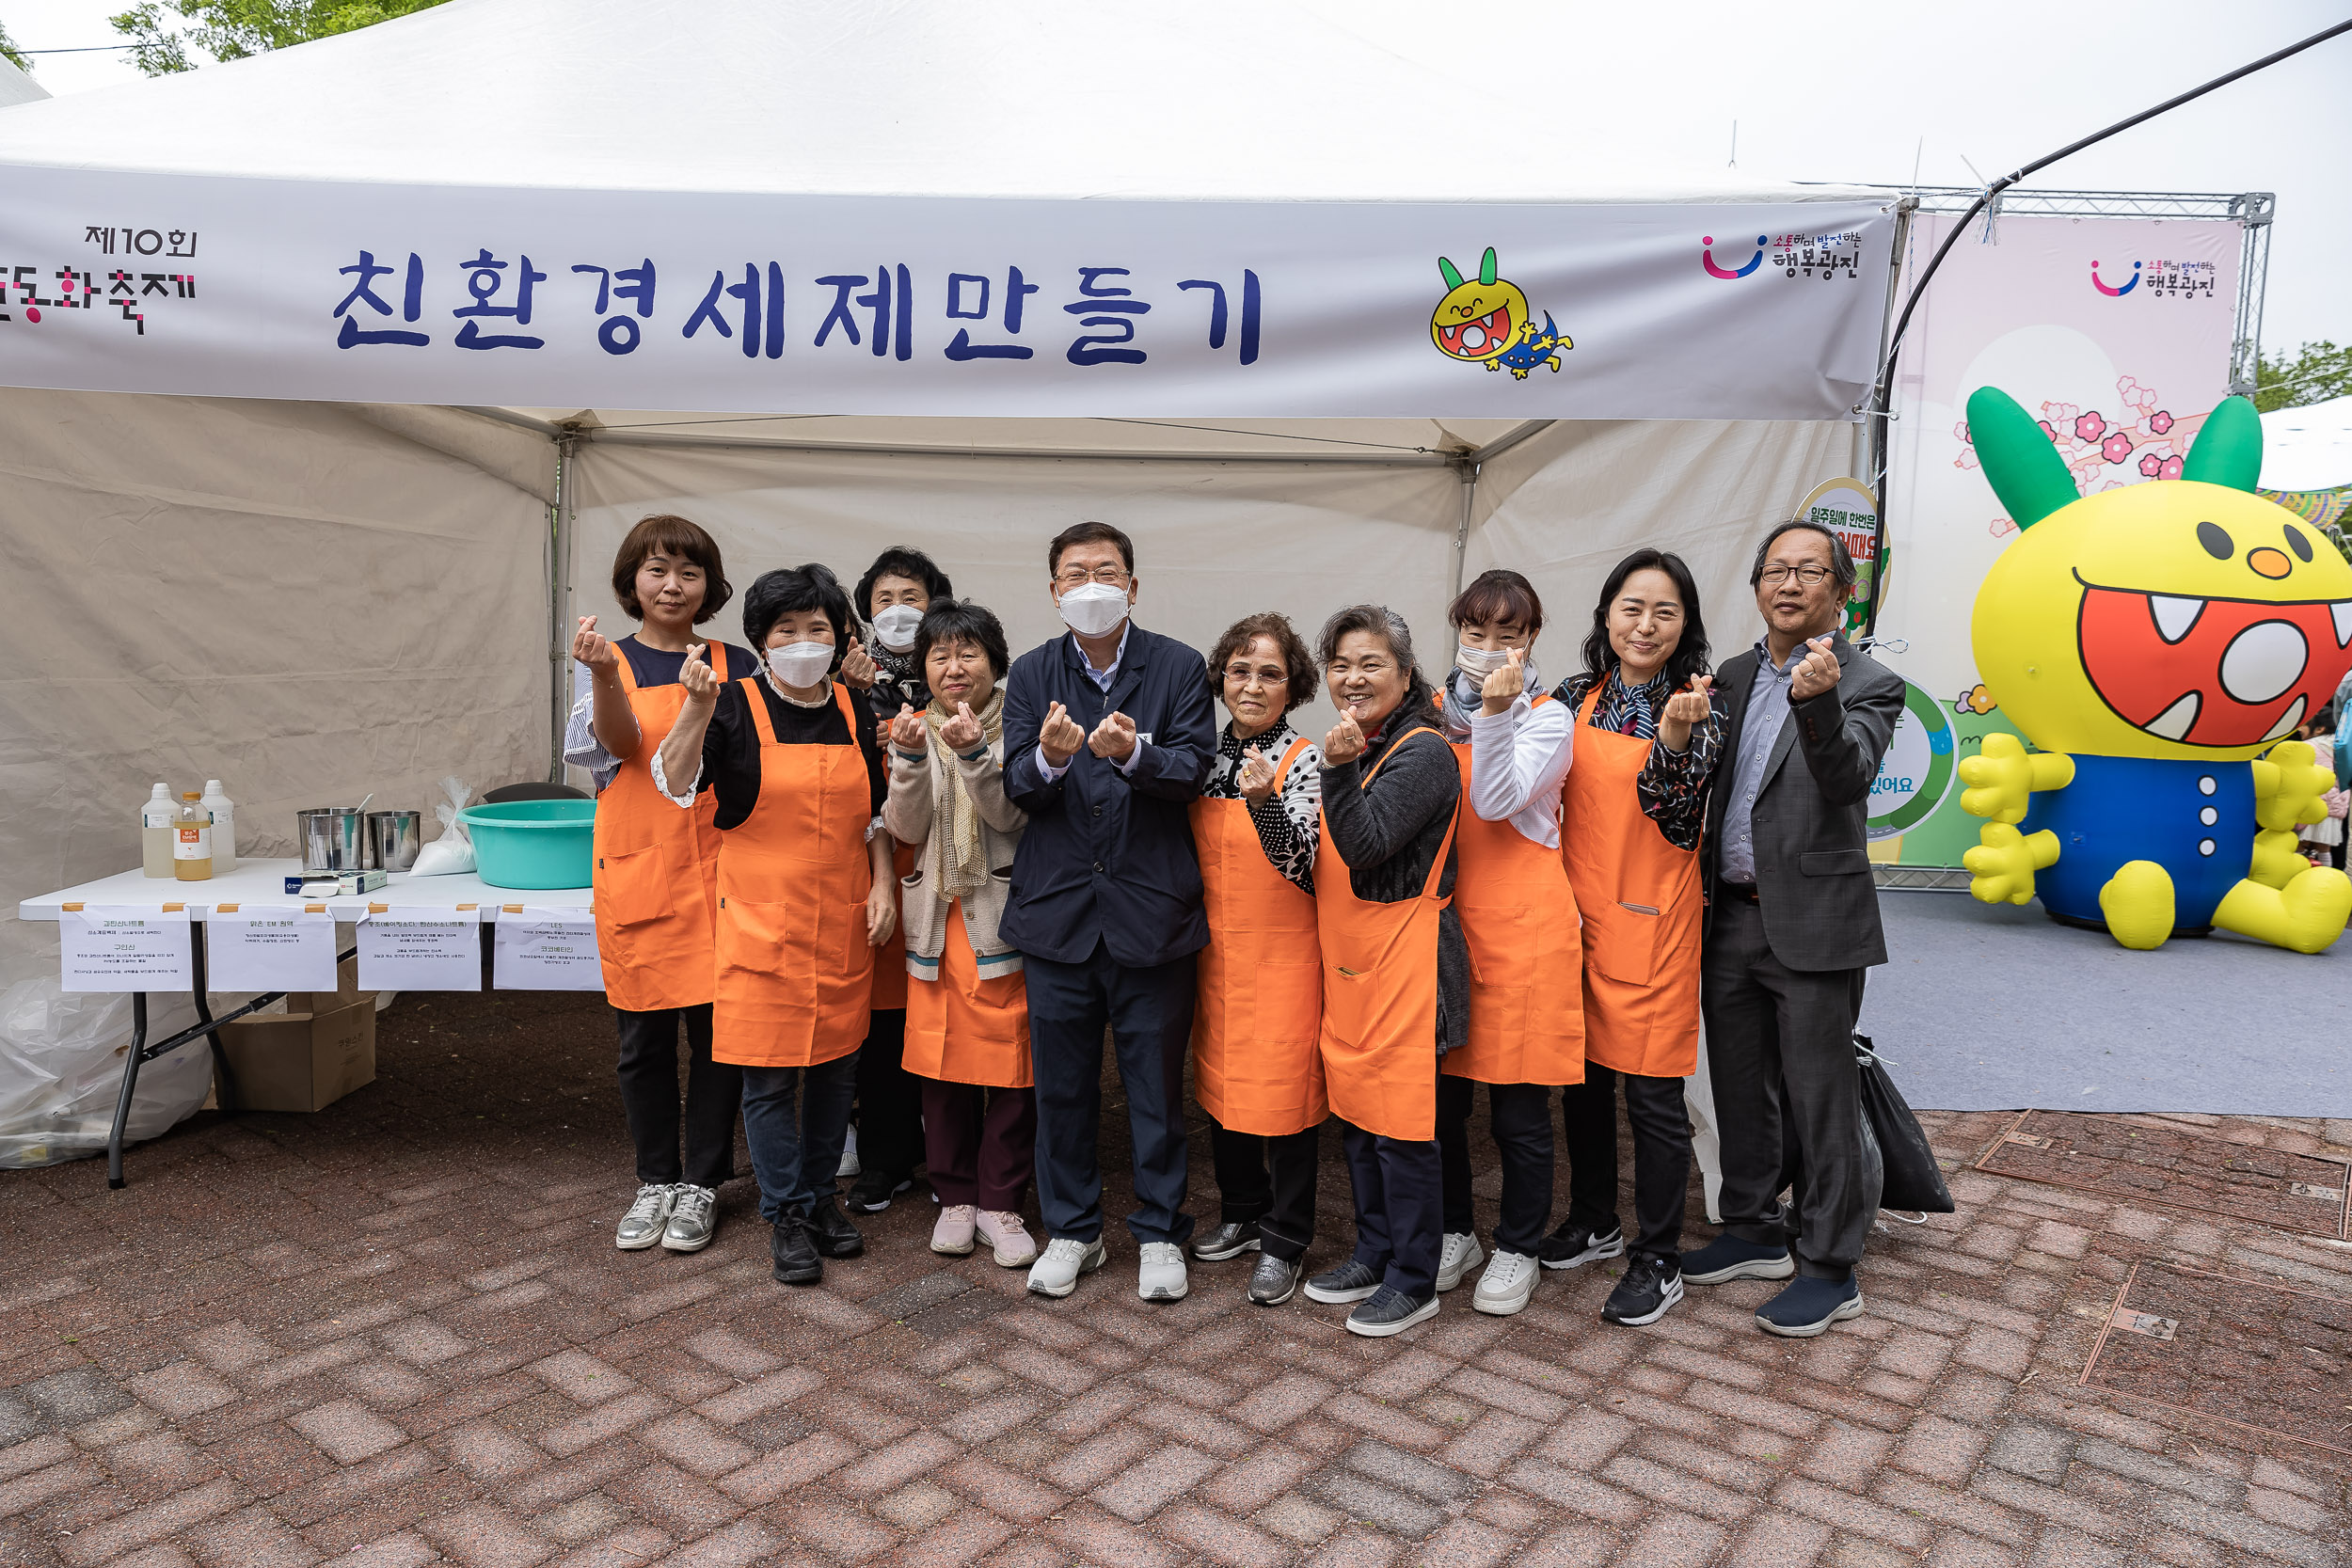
[(1518, 760)]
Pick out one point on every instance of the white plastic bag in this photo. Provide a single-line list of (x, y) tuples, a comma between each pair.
[(454, 850), (61, 1059)]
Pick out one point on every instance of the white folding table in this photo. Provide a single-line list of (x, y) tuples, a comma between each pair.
[(259, 882)]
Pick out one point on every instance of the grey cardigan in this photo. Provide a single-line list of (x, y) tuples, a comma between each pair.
[(907, 815)]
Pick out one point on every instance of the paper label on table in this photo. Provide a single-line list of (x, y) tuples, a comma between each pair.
[(420, 949), (125, 947), (259, 947), (539, 949)]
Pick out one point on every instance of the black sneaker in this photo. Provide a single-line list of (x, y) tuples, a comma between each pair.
[(1650, 1285), (831, 1231), (1229, 1240), (1391, 1312), (1808, 1305), (873, 1189), (1350, 1281), (1274, 1280), (795, 1256), (1572, 1244)]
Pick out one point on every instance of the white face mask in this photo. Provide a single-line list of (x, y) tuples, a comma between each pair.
[(800, 664), (894, 628), (1480, 661), (1093, 609)]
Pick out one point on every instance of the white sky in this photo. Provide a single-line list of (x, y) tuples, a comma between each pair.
[(1852, 92)]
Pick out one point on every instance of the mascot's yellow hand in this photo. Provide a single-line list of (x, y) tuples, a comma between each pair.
[(2003, 778), (2290, 786), (2276, 861), (2003, 865)]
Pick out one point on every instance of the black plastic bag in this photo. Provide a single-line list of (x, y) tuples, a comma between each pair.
[(1914, 1181)]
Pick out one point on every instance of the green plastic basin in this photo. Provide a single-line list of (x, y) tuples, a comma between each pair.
[(533, 844)]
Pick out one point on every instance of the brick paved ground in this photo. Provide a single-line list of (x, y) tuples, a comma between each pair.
[(397, 1333)]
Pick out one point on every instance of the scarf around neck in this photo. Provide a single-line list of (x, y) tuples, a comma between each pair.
[(955, 817)]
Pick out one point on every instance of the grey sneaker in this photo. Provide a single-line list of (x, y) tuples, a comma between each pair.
[(1458, 1255), (641, 1226), (1346, 1282), (693, 1220)]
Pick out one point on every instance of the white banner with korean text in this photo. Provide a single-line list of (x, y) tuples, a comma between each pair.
[(655, 300)]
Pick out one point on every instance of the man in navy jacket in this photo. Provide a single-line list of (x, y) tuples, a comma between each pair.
[(1108, 736)]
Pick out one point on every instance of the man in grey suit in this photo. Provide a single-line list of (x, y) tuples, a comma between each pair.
[(1792, 924)]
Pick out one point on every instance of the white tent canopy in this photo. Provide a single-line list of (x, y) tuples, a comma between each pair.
[(365, 588), (2309, 447)]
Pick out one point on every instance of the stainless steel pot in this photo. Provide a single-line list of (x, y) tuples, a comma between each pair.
[(393, 838), (331, 838)]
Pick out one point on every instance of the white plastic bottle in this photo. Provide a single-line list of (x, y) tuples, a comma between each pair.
[(224, 826), (156, 833)]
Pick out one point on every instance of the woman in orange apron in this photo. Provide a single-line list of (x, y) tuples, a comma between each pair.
[(1647, 738), (803, 895), (1257, 1068), (1518, 918), (886, 1136), (1395, 975), (967, 1028), (655, 881)]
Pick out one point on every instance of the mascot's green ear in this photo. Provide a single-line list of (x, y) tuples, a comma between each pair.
[(2029, 475), (1487, 268), (1445, 270), (2229, 449)]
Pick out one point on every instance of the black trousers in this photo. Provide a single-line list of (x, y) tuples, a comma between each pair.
[(714, 1098), (1787, 1096), (1520, 1117), (1149, 1014), (1661, 1155), (1280, 1201), (1399, 1225), (889, 1099)]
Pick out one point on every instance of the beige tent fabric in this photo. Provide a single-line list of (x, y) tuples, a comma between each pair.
[(1568, 504), (288, 597)]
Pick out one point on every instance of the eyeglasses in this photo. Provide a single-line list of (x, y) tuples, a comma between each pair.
[(1077, 577), (1242, 674), (1812, 575)]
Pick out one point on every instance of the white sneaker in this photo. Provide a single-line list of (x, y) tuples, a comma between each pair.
[(1460, 1255), (1003, 1230), (951, 1234), (693, 1218), (851, 1167), (1160, 1277), (1057, 1270), (1507, 1284), (641, 1226)]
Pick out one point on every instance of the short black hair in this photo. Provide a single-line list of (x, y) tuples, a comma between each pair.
[(900, 560), (1691, 653), (1297, 661), (1089, 533), (1499, 594), (962, 621), (1840, 560), (788, 589)]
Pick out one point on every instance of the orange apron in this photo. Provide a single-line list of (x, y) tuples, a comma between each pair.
[(1379, 1036), (1255, 1063), (962, 1029), (657, 876), (1642, 906), (890, 970), (1519, 919), (796, 975)]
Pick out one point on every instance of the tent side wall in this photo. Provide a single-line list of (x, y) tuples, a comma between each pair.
[(307, 601)]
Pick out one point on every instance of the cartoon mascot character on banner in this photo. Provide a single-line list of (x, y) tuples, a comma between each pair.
[(2157, 643)]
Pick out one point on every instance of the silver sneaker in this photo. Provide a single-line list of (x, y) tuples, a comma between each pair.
[(1460, 1253), (641, 1226), (693, 1220)]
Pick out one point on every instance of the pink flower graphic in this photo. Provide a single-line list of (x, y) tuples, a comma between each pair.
[(2117, 449), (2089, 427), (2151, 464), (2053, 435), (2160, 421), (2171, 469)]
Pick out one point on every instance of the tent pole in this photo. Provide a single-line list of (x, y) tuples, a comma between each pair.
[(1468, 471), (884, 448), (559, 571)]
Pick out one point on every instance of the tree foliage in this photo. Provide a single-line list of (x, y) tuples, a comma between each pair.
[(2312, 373), (161, 33), (9, 52)]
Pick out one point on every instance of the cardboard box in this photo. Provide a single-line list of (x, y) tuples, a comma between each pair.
[(346, 991), (301, 1061)]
